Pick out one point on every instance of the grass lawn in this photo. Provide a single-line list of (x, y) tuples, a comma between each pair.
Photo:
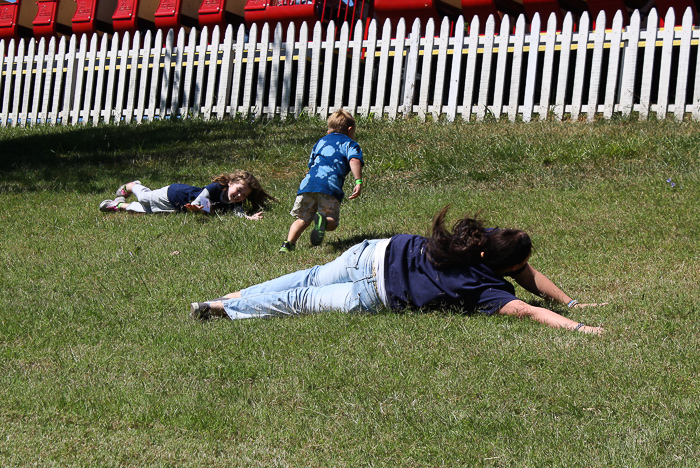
[(102, 365)]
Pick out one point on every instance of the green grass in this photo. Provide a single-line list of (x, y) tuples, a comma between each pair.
[(103, 367)]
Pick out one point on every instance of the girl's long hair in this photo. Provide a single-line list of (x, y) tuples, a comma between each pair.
[(502, 248), (258, 197)]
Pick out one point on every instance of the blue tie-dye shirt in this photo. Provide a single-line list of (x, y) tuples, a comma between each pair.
[(329, 164)]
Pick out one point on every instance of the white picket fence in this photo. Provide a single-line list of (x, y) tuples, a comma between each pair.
[(513, 74)]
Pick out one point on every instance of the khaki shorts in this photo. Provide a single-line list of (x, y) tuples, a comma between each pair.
[(307, 204)]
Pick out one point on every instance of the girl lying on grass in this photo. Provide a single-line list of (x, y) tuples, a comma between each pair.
[(226, 189), (465, 268)]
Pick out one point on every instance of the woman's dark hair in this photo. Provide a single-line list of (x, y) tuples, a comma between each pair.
[(503, 248)]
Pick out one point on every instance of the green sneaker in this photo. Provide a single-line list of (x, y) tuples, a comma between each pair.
[(287, 247), (319, 230)]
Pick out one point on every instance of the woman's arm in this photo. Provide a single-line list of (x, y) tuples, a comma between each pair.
[(522, 309), (539, 285)]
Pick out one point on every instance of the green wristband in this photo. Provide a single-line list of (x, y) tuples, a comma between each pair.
[(358, 181)]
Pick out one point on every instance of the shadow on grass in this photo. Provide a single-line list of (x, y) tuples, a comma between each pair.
[(341, 245), (86, 159)]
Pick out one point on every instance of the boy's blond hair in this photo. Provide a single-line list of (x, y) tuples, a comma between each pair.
[(340, 121)]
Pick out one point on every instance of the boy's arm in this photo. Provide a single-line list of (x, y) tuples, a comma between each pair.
[(356, 169)]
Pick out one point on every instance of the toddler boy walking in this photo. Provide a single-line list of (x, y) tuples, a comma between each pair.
[(321, 191)]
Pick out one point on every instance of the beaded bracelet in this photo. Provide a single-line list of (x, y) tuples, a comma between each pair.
[(572, 303), (579, 326)]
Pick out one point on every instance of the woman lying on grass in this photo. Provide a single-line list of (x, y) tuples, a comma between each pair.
[(465, 268), (229, 189)]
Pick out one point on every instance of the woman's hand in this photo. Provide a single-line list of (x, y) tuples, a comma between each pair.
[(590, 304), (256, 216), (592, 330)]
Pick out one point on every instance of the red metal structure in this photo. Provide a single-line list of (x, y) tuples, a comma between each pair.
[(93, 16), (46, 18), (9, 15), (288, 11), (53, 18), (134, 15), (221, 12)]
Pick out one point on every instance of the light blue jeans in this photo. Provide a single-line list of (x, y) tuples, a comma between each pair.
[(347, 284)]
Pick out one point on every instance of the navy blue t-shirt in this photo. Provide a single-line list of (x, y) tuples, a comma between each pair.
[(182, 194), (412, 281)]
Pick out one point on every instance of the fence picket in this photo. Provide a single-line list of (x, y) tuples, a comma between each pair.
[(383, 67), (189, 63), (34, 111), (262, 69), (596, 66), (354, 90), (133, 72), (489, 36), (563, 72), (395, 90), (472, 55), (501, 62), (167, 73), (367, 83), (7, 85), (667, 36), (73, 59), (326, 84), (613, 67), (302, 66), (201, 57), (237, 71), (342, 55), (518, 51), (85, 112), (3, 83), (79, 68), (548, 69), (287, 74), (454, 87), (17, 100), (531, 74), (315, 66), (143, 74), (629, 65), (428, 46), (411, 69), (154, 72), (178, 56), (211, 69), (580, 67), (58, 82), (695, 105), (48, 76), (648, 64), (100, 79), (274, 71), (27, 78), (111, 78), (442, 44), (683, 60)]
